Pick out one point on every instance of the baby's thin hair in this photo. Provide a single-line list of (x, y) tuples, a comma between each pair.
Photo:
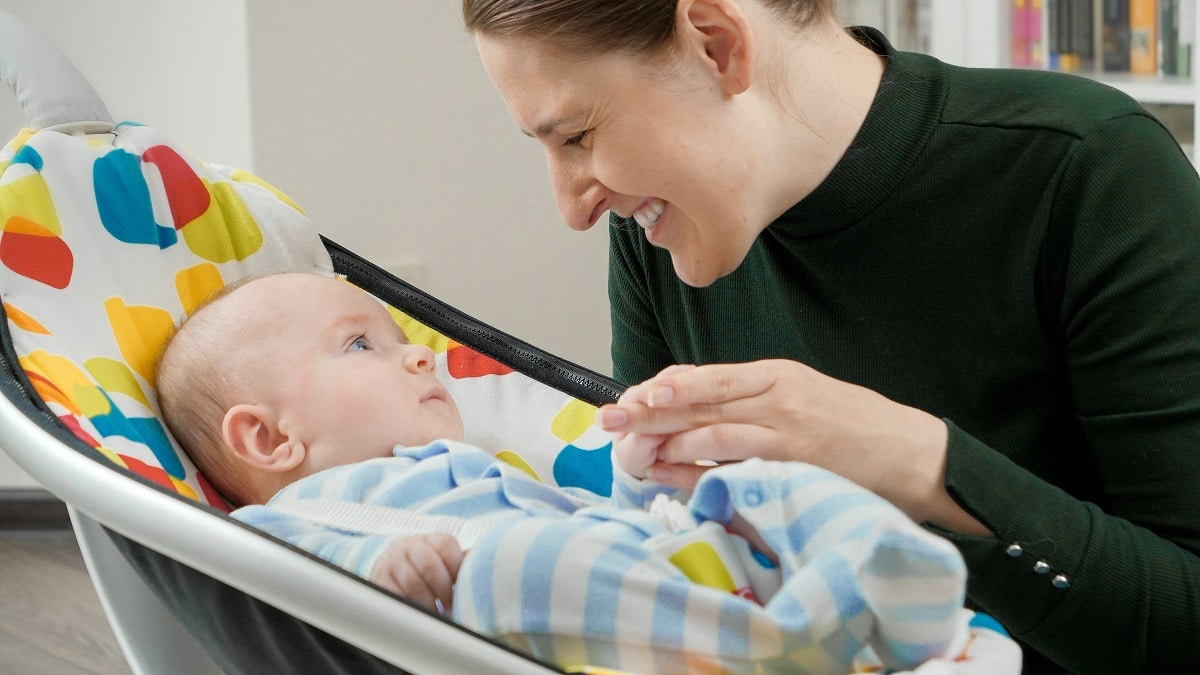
[(192, 377)]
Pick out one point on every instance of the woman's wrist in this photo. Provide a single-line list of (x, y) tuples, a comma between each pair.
[(938, 506)]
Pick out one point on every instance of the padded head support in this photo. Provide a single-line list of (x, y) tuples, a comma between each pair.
[(50, 90)]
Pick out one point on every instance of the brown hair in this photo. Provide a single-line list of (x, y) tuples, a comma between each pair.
[(588, 28)]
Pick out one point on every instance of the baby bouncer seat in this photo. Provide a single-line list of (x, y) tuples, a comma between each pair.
[(108, 234)]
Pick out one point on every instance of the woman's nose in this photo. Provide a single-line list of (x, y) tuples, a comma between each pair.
[(418, 358), (579, 196)]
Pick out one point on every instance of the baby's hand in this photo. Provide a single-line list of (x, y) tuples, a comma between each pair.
[(422, 568), (636, 453)]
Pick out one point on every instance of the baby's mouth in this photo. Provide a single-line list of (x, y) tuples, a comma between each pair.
[(648, 215)]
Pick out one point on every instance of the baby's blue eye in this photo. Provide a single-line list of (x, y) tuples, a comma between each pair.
[(360, 344)]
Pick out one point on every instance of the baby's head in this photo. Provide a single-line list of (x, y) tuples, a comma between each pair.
[(282, 376)]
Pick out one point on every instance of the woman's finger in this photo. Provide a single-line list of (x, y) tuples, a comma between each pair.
[(643, 419), (640, 392), (724, 443), (717, 383)]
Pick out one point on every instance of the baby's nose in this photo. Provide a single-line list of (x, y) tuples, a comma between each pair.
[(418, 358)]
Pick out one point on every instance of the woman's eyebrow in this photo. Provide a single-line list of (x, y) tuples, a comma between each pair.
[(548, 127)]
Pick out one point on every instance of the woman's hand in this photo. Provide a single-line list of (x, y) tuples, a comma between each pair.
[(422, 568), (784, 410)]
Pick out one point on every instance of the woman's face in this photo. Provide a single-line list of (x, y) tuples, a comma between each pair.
[(659, 141)]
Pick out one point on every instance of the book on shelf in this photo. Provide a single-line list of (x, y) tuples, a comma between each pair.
[(1115, 36), (1141, 37), (1028, 17)]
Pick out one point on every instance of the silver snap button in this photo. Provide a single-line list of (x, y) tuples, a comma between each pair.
[(1041, 567), (1060, 582), (1014, 550)]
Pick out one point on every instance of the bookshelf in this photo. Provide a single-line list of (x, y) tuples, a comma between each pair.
[(980, 33)]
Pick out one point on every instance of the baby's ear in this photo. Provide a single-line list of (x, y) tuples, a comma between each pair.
[(251, 433)]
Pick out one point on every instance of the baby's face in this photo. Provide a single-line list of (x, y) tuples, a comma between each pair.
[(347, 381)]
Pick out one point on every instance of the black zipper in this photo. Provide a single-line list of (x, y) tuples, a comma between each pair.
[(561, 374)]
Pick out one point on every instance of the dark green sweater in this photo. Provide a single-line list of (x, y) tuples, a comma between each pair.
[(1018, 253)]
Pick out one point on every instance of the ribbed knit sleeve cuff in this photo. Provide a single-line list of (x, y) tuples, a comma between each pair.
[(1042, 534)]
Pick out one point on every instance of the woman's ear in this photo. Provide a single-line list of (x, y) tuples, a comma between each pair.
[(720, 34), (251, 433)]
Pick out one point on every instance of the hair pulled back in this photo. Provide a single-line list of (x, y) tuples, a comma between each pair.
[(591, 27)]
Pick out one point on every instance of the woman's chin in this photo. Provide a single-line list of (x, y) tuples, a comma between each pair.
[(697, 273)]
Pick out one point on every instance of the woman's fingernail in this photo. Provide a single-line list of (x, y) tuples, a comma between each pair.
[(612, 418), (660, 396)]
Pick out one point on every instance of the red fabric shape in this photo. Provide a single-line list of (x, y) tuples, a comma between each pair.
[(152, 473), (465, 363), (45, 259), (211, 495), (73, 424), (186, 193)]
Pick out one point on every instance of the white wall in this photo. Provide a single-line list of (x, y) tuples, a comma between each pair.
[(177, 66), (378, 118)]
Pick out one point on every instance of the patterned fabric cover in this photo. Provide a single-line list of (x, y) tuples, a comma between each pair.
[(107, 240)]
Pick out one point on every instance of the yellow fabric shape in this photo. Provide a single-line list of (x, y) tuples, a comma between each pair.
[(700, 562), (418, 333), (28, 208), (246, 177), (510, 457), (115, 376), (196, 284), (15, 144), (574, 419), (60, 372), (226, 230), (141, 332)]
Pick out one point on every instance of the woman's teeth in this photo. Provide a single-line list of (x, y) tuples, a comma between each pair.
[(648, 215)]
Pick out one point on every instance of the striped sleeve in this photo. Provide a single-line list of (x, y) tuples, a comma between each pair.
[(353, 552)]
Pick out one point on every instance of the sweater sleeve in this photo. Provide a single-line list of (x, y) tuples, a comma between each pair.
[(1111, 586)]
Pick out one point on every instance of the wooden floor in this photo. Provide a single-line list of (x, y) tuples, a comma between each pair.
[(50, 618)]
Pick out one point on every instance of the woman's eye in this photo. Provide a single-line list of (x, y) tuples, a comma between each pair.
[(576, 139), (360, 344)]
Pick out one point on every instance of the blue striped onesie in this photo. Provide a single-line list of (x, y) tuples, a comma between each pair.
[(564, 574)]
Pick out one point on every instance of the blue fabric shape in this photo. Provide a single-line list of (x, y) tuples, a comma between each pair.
[(987, 622), (27, 155), (587, 469), (123, 200), (146, 430)]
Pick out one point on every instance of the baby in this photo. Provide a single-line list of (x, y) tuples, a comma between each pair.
[(298, 389)]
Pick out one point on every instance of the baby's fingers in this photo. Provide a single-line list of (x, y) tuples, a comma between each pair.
[(421, 568), (682, 476), (435, 562)]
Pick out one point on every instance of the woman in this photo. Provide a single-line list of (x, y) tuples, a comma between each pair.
[(973, 292)]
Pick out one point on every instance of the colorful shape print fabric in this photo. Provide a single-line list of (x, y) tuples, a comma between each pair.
[(105, 241)]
